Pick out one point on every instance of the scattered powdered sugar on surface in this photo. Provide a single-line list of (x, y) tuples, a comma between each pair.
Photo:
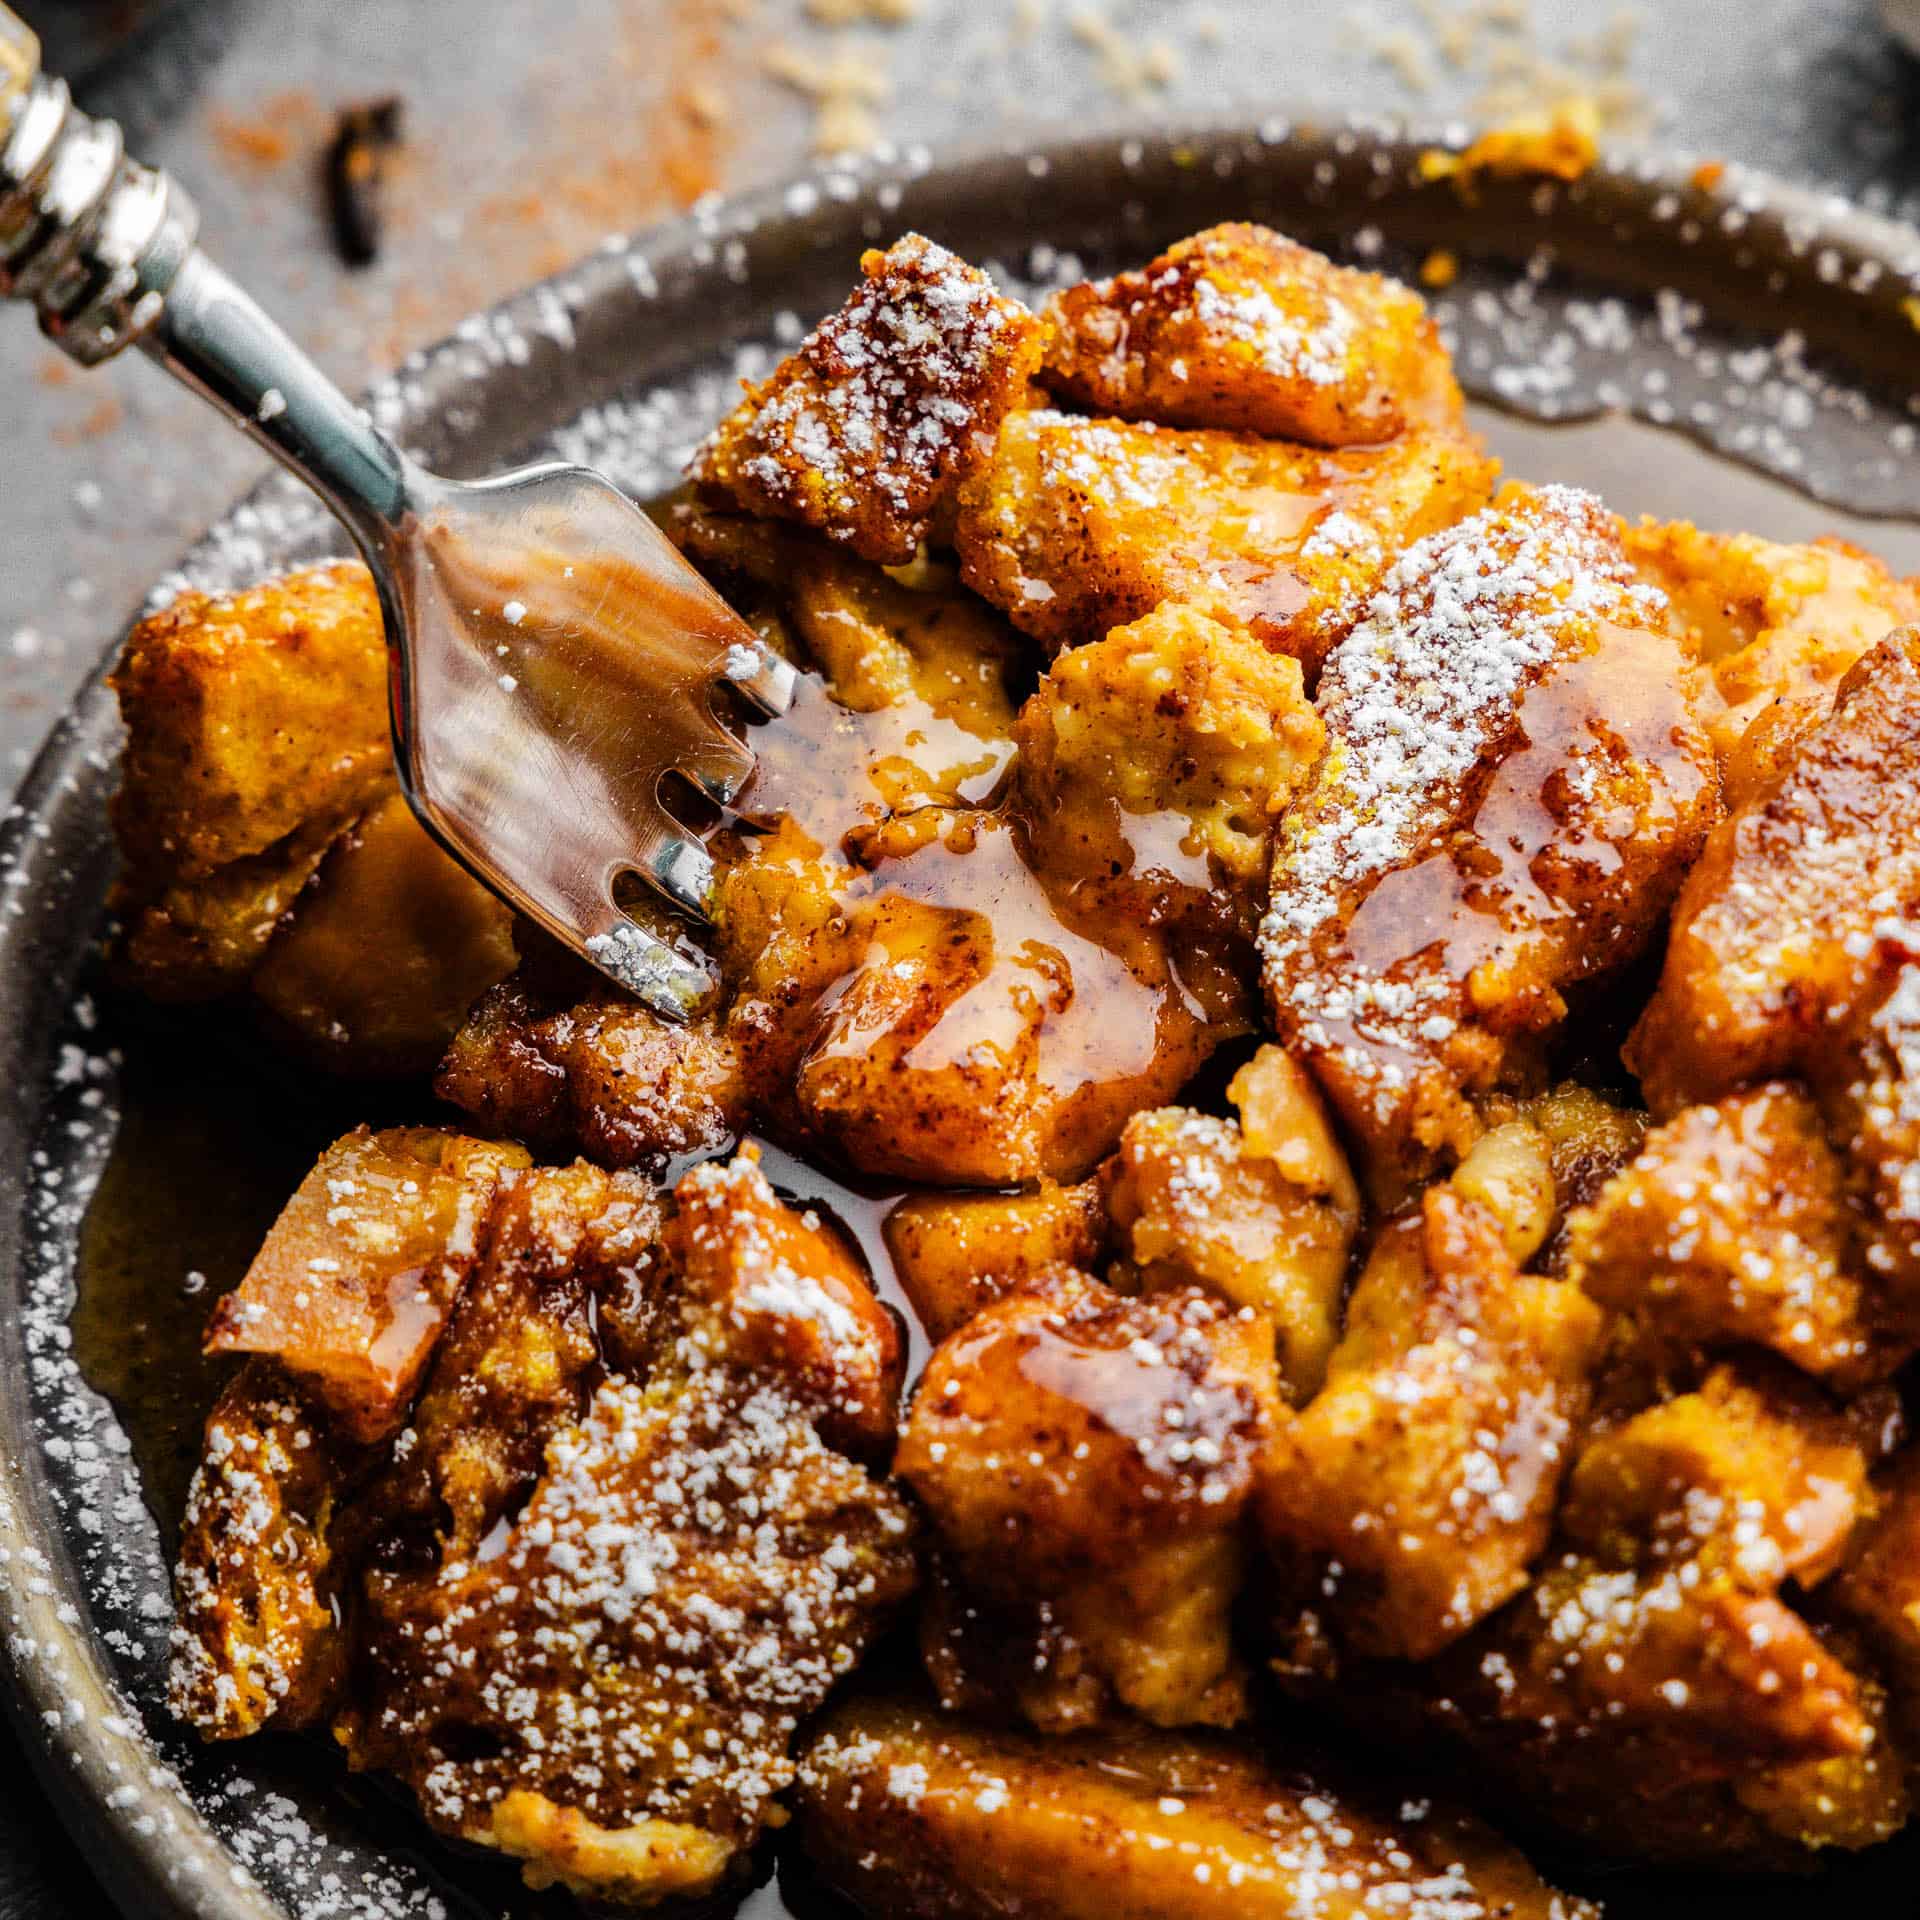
[(1308, 1850), (674, 1541), (1251, 317), (882, 404)]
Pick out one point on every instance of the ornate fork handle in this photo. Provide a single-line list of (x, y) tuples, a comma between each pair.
[(547, 789), (105, 250)]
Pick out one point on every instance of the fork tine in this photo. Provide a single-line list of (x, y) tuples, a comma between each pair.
[(766, 683), (682, 870), (673, 984), (764, 679), (723, 775)]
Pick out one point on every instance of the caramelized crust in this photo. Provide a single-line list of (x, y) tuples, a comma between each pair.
[(1409, 1498), (1085, 1460), (1262, 1212), (1589, 1139), (635, 1588), (569, 1064), (1512, 790), (1751, 1473), (1878, 1590), (1781, 927), (934, 1015), (1241, 328), (1732, 1226), (865, 431), (256, 735), (774, 1291), (257, 1641), (353, 1285), (1868, 1081), (918, 986), (517, 1360), (693, 1572), (915, 1816), (1075, 526)]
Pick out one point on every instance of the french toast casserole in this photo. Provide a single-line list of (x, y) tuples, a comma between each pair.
[(1381, 999)]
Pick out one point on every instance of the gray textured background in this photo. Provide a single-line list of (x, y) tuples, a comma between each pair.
[(536, 127)]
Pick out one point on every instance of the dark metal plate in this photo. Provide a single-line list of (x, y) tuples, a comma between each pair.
[(1767, 323)]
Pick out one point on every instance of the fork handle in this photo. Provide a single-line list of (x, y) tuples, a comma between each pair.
[(105, 250)]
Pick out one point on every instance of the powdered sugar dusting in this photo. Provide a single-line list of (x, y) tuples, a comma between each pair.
[(1251, 317), (1414, 699)]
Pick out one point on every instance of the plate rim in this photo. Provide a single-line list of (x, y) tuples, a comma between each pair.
[(79, 1734)]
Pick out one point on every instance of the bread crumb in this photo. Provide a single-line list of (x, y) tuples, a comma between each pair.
[(845, 86), (1496, 41), (1400, 49), (852, 13), (1126, 67), (1562, 144), (1441, 268)]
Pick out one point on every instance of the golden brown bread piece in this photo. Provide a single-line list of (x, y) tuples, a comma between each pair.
[(558, 1563), (1867, 1077), (1153, 763), (1653, 1691), (1589, 1139), (516, 1363), (1732, 1226), (1783, 925), (1409, 1498), (1076, 526), (1513, 787), (264, 841), (778, 1292), (955, 1253), (673, 1579), (256, 735), (1085, 1461), (257, 1641), (353, 1285), (561, 1060), (866, 429), (384, 951), (692, 1573), (1242, 328), (912, 1815), (638, 1865), (914, 988), (591, 1577), (1878, 1590), (1776, 626), (914, 640), (1262, 1211), (933, 1013), (1753, 1474)]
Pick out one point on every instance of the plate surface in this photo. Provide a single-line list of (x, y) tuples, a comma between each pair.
[(1767, 323)]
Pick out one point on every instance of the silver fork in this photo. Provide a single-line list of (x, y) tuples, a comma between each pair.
[(553, 659)]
